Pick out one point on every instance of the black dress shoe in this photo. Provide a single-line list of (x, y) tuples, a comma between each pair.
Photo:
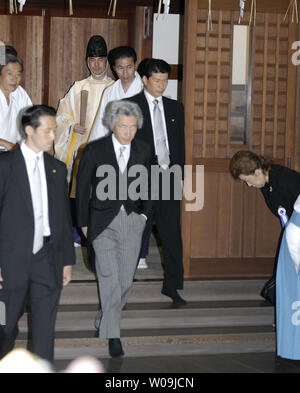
[(173, 294), (115, 347)]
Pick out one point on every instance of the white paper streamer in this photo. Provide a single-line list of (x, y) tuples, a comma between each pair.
[(22, 3), (242, 9), (166, 6)]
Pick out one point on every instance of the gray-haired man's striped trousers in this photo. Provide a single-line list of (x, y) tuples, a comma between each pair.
[(117, 250)]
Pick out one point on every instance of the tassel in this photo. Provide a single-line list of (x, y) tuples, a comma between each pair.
[(70, 7), (159, 9), (253, 12), (209, 20), (113, 5), (114, 9), (294, 6), (12, 6)]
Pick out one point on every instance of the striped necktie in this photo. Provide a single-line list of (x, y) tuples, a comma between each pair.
[(121, 160), (160, 139)]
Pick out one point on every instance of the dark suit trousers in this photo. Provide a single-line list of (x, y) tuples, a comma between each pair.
[(167, 218), (42, 288)]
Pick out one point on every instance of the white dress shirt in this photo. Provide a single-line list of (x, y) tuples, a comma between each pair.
[(126, 155), (150, 100), (117, 146), (29, 157), (9, 122)]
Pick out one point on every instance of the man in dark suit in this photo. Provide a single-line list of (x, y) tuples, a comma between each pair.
[(36, 242), (115, 217), (163, 130)]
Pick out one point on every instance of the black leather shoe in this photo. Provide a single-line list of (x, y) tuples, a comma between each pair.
[(115, 347), (177, 299)]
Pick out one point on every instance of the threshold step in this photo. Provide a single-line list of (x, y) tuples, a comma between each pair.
[(166, 345)]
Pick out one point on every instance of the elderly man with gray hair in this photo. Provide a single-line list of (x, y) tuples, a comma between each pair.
[(111, 216)]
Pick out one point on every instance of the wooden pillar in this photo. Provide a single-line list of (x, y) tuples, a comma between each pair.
[(143, 45), (190, 43), (291, 98)]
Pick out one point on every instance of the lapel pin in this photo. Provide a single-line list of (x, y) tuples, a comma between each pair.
[(173, 120), (54, 170)]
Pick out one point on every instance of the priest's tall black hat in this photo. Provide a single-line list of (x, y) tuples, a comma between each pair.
[(96, 47)]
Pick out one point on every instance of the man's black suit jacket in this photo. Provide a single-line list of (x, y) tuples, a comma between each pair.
[(17, 221), (174, 116), (97, 214)]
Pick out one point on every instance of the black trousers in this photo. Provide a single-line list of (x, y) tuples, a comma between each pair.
[(44, 292), (167, 215)]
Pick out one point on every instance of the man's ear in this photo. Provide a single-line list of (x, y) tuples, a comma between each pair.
[(29, 130), (145, 80)]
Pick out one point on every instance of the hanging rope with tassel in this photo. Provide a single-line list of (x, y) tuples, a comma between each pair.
[(70, 7), (113, 6), (209, 19), (13, 6), (159, 9), (253, 13), (294, 8)]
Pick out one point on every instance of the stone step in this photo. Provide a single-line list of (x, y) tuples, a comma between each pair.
[(149, 291), (166, 345), (222, 316), (199, 316)]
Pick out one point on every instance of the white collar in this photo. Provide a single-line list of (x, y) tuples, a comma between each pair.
[(150, 98), (297, 205), (29, 154), (117, 144)]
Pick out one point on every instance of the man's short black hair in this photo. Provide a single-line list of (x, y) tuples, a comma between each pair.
[(149, 66), (10, 50), (9, 58), (31, 116), (119, 53)]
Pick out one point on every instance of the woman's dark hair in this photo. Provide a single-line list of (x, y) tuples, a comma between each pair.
[(246, 162)]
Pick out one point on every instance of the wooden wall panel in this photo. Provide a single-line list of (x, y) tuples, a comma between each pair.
[(30, 49), (234, 222), (69, 38), (270, 85), (235, 234)]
